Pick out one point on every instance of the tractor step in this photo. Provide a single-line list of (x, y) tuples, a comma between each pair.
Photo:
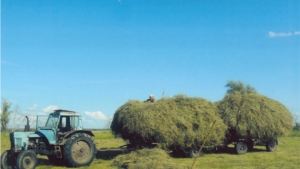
[(58, 152)]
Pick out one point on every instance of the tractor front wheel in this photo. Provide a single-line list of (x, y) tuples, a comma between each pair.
[(6, 161), (27, 160), (79, 150)]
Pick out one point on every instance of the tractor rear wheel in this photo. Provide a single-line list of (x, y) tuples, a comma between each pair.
[(79, 150), (27, 160)]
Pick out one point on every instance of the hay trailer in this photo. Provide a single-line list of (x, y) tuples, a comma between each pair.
[(180, 123), (60, 136), (241, 146)]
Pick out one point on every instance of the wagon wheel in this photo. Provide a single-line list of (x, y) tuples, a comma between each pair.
[(241, 148), (271, 145)]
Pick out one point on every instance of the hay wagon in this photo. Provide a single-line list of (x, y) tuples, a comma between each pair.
[(180, 123)]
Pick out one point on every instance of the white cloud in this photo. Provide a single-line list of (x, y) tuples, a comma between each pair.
[(96, 115), (34, 107), (279, 34), (297, 33), (85, 120), (50, 109)]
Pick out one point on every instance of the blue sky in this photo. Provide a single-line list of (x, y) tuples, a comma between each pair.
[(93, 56)]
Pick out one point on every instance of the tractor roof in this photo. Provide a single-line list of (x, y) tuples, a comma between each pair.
[(65, 112)]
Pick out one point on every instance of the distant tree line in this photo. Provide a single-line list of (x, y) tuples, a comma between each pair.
[(297, 124)]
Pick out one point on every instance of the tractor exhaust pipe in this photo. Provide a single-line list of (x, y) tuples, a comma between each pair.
[(27, 126)]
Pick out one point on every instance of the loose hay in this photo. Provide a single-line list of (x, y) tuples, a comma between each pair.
[(180, 122), (147, 158), (255, 116)]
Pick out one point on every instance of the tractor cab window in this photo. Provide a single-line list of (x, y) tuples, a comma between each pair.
[(75, 122), (63, 122), (68, 123), (52, 121)]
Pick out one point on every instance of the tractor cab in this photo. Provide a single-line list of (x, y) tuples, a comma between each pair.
[(57, 124)]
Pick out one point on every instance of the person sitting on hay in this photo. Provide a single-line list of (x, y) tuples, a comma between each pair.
[(150, 100)]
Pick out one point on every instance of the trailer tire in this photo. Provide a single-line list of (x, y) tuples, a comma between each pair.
[(241, 148), (79, 150), (271, 145), (27, 160)]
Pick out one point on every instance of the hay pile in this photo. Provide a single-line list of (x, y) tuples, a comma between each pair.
[(179, 121), (147, 158), (263, 117)]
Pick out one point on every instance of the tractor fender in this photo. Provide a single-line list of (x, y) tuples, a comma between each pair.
[(69, 134)]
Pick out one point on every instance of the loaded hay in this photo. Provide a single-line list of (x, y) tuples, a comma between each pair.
[(254, 116), (179, 121)]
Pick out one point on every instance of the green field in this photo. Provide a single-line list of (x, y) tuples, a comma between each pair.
[(286, 156)]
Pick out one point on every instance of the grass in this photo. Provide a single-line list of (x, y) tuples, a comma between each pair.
[(286, 156)]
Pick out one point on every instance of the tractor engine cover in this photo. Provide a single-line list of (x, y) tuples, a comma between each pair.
[(19, 140)]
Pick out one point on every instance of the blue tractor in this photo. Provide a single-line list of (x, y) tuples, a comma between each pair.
[(60, 136)]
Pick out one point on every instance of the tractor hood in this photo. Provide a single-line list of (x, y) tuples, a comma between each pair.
[(19, 140)]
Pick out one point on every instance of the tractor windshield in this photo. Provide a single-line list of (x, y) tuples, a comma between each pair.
[(52, 121)]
